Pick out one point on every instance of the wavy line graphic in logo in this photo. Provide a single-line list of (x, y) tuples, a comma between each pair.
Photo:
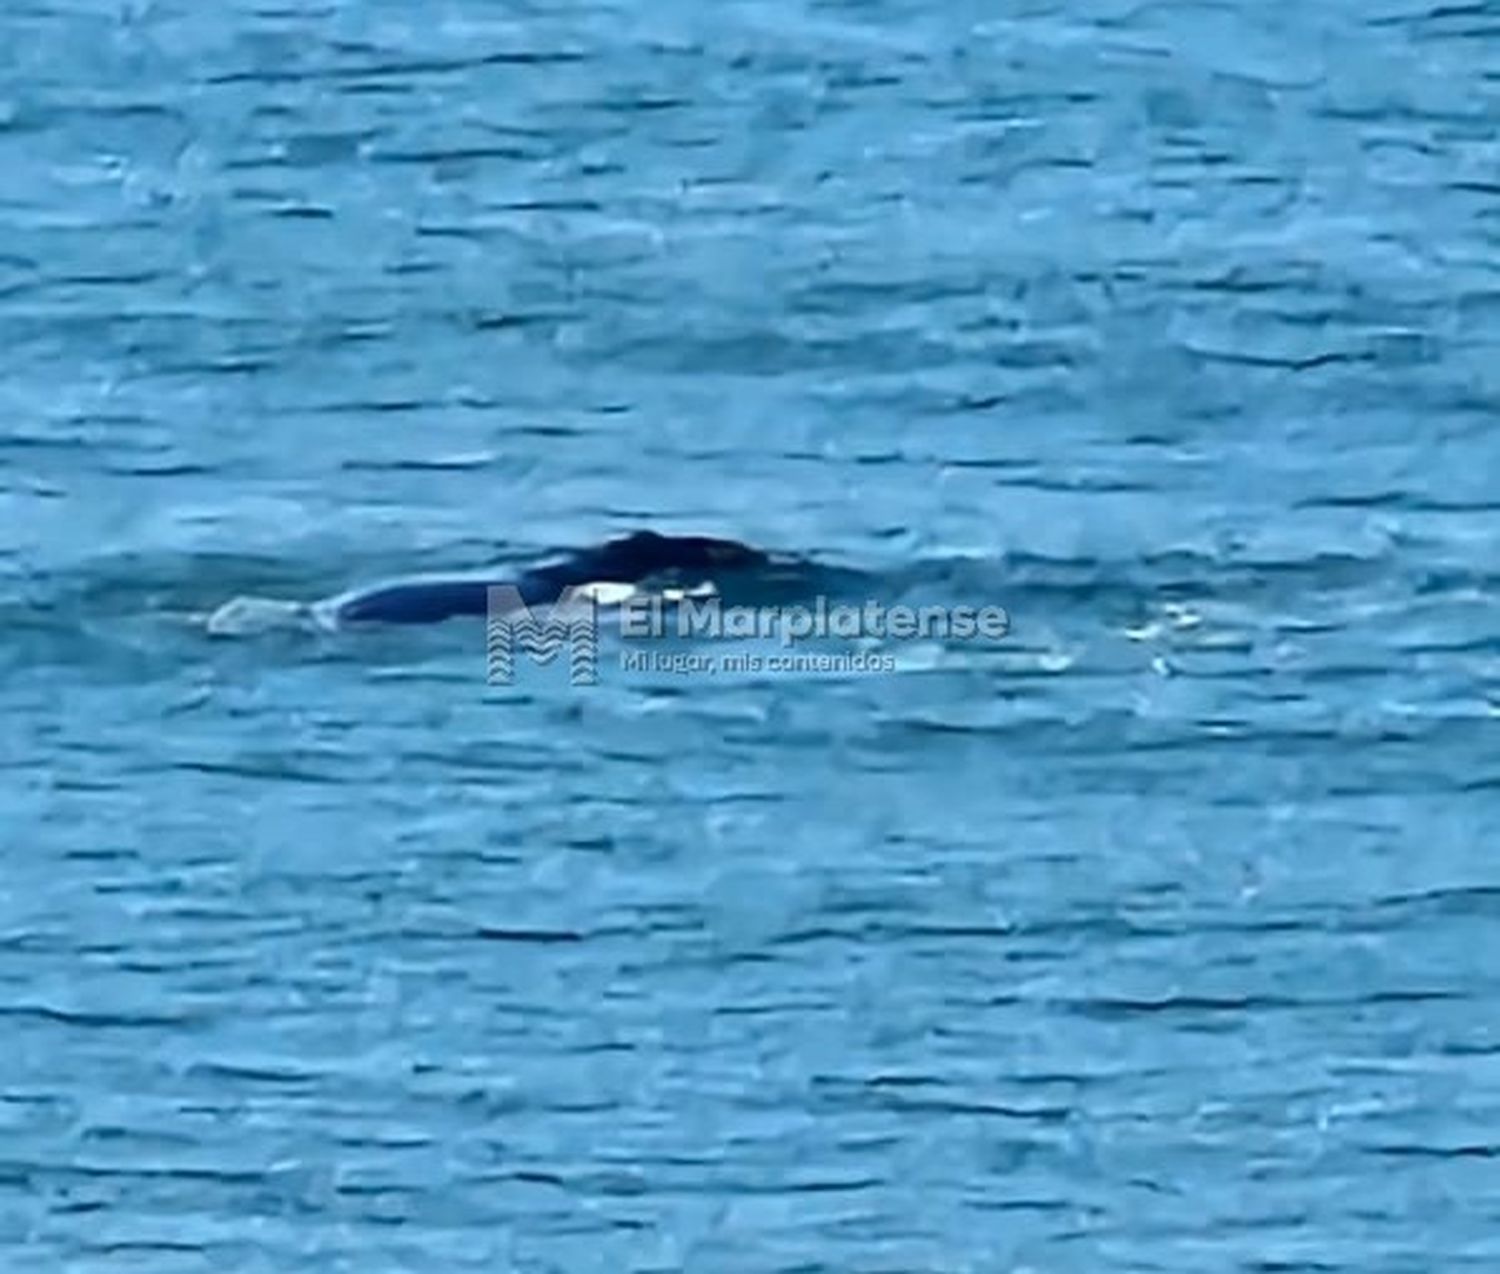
[(511, 627)]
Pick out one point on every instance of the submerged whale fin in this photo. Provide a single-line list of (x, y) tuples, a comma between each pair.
[(245, 616)]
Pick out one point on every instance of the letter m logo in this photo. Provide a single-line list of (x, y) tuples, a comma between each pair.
[(511, 627)]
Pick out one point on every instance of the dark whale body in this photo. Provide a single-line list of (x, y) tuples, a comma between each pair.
[(633, 559)]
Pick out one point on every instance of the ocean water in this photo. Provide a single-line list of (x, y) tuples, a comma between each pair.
[(1159, 935)]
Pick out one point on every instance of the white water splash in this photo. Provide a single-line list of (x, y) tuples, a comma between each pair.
[(247, 616)]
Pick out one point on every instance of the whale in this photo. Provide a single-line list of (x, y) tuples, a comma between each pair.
[(640, 559)]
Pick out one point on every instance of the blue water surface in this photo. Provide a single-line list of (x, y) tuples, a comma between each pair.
[(1158, 936)]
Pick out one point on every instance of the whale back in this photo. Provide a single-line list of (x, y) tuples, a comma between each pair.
[(646, 555)]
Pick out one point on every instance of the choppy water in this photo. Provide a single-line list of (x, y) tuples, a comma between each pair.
[(1159, 937)]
